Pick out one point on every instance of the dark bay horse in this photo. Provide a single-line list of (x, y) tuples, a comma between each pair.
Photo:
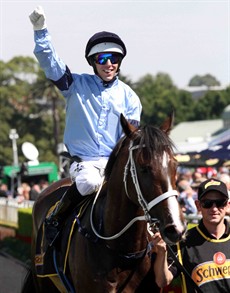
[(139, 190)]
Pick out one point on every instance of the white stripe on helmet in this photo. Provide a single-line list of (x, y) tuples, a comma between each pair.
[(106, 47)]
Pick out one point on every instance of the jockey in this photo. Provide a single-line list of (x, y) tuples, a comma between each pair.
[(93, 107)]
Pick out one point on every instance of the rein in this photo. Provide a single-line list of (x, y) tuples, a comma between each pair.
[(140, 218), (145, 206)]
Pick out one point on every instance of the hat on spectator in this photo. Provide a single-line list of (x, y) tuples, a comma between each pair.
[(212, 184), (196, 183)]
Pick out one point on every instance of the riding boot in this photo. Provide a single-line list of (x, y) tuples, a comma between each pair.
[(55, 220)]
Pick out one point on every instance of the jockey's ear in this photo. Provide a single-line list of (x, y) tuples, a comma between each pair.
[(127, 127), (168, 123)]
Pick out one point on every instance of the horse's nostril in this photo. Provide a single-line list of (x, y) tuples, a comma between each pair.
[(172, 234)]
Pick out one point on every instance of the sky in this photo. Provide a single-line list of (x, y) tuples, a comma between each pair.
[(179, 38)]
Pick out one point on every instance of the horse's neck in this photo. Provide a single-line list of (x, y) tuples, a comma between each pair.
[(118, 212)]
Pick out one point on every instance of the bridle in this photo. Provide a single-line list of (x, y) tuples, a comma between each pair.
[(130, 166)]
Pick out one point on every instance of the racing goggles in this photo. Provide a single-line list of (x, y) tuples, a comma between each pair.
[(208, 203), (102, 58)]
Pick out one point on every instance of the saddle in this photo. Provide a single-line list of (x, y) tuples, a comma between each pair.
[(47, 257)]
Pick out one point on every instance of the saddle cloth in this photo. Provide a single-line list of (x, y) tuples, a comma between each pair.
[(46, 262)]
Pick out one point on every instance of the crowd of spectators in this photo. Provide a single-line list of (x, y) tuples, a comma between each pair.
[(4, 192), (25, 191), (188, 182), (187, 185)]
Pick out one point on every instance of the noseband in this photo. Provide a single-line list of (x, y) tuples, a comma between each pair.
[(130, 166)]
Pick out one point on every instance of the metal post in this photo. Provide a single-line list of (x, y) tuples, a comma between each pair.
[(14, 136)]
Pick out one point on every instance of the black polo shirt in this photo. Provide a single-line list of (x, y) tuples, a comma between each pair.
[(207, 260)]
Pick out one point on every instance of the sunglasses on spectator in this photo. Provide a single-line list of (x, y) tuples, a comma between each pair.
[(208, 203), (102, 58)]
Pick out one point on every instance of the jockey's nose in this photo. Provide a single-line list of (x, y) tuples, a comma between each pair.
[(108, 62)]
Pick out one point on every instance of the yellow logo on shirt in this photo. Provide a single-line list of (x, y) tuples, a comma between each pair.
[(210, 271)]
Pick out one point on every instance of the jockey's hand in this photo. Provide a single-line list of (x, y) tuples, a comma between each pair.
[(38, 19), (159, 246)]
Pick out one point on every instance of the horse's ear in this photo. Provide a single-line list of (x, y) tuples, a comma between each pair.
[(168, 123), (126, 126)]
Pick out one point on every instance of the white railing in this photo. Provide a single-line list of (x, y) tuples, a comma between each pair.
[(193, 218), (9, 210)]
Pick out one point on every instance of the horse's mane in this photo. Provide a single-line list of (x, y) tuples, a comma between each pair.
[(156, 142)]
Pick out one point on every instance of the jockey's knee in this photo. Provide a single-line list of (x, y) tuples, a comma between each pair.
[(87, 178), (87, 188), (88, 185)]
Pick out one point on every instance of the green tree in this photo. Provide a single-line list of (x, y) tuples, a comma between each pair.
[(159, 96), (206, 79), (32, 105), (14, 107), (211, 105), (51, 104)]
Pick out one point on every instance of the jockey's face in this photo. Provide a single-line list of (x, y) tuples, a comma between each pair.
[(107, 71), (107, 64)]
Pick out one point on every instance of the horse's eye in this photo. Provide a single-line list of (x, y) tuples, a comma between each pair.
[(144, 169)]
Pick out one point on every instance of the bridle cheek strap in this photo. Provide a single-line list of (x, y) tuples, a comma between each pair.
[(130, 165)]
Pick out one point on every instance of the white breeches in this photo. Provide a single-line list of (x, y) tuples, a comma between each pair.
[(88, 175)]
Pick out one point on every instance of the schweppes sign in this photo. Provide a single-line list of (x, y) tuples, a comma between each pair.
[(217, 269)]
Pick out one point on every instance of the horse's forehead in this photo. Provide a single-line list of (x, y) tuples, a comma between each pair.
[(165, 160)]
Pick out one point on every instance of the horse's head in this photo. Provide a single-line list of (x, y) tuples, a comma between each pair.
[(150, 177)]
